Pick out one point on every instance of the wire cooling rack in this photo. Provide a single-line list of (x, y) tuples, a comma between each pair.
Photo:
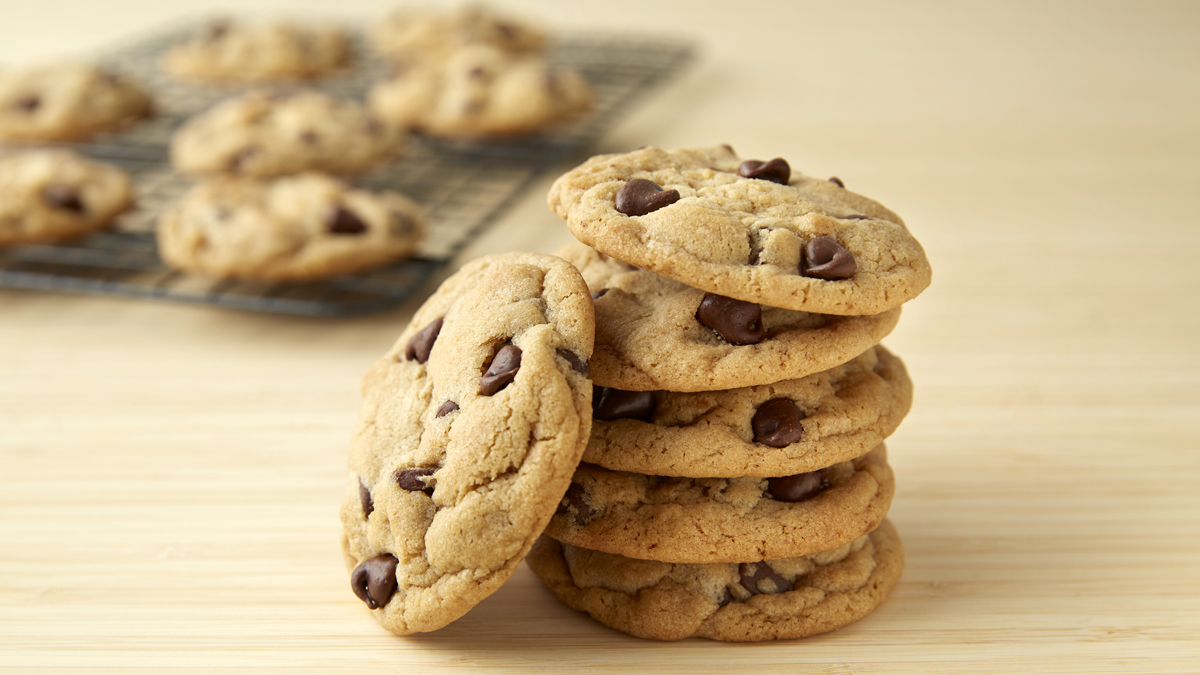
[(463, 185)]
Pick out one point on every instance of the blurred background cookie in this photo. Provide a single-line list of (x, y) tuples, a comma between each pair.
[(66, 102), (51, 194), (226, 50), (409, 32)]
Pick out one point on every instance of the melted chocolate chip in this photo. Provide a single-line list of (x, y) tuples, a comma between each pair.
[(63, 197), (777, 423), (574, 504), (740, 323), (364, 496), (410, 479), (725, 599), (577, 364), (446, 408), (374, 580), (599, 294), (615, 404), (824, 258), (837, 181), (796, 488), (421, 344), (776, 170), (339, 220), (28, 103), (640, 196), (503, 370), (760, 579)]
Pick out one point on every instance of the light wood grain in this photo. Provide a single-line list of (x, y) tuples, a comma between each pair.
[(170, 475)]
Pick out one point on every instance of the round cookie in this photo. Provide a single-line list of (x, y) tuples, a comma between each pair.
[(66, 102), (52, 194), (706, 520), (410, 33), (470, 429), (295, 228), (777, 429), (766, 235), (747, 602), (481, 91), (274, 133), (227, 51), (656, 333)]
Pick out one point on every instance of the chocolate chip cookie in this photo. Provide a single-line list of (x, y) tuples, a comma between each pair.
[(776, 429), (736, 602), (656, 333), (273, 133), (480, 91), (470, 429), (229, 51), (51, 194), (751, 230), (704, 520), (430, 33), (294, 228), (66, 102)]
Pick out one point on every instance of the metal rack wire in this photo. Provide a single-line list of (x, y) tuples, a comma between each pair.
[(463, 185)]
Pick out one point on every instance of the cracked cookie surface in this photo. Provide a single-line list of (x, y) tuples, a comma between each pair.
[(779, 599), (705, 520), (52, 194), (295, 228), (650, 333), (243, 52), (66, 102), (471, 427), (840, 413), (648, 207), (273, 133), (481, 91)]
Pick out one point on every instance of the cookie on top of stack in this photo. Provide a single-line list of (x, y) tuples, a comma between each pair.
[(736, 483)]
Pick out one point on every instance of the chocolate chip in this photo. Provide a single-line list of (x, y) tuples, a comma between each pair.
[(754, 574), (739, 322), (577, 364), (339, 220), (550, 81), (837, 181), (824, 258), (725, 599), (446, 408), (373, 127), (640, 196), (308, 137), (776, 170), (410, 479), (63, 197), (574, 504), (477, 73), (854, 217), (28, 103), (599, 294), (241, 157), (777, 423), (216, 31), (796, 488), (364, 496), (400, 225), (506, 30), (615, 404), (421, 344), (503, 370), (374, 580)]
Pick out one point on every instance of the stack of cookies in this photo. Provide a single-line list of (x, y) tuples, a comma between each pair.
[(735, 485)]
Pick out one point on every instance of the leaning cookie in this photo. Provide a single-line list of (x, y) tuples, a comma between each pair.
[(274, 133), (470, 429), (228, 51), (432, 33), (777, 429), (296, 228), (66, 102), (52, 194), (748, 230), (747, 602), (481, 91), (705, 520), (656, 333)]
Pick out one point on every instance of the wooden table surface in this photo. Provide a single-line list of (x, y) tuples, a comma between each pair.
[(170, 475)]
